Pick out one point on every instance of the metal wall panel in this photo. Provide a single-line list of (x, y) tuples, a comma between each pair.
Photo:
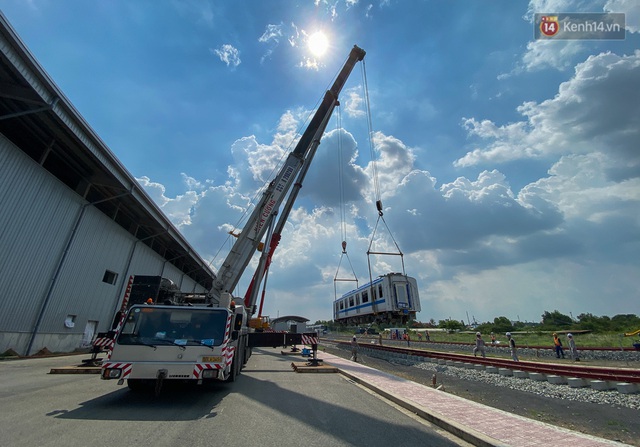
[(54, 251), (98, 245), (37, 214)]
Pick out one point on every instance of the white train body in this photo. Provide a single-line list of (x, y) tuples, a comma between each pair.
[(388, 299)]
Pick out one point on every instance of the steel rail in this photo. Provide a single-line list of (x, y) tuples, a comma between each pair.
[(627, 375)]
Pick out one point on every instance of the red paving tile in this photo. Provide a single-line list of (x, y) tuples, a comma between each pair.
[(484, 424)]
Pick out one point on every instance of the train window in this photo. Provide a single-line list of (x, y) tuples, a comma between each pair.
[(380, 290), (401, 296), (351, 301), (365, 297), (358, 299), (341, 305)]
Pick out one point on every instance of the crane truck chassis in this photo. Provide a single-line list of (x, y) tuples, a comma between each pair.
[(206, 337), (181, 337)]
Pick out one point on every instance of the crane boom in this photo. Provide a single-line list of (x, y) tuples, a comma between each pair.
[(213, 342), (273, 196)]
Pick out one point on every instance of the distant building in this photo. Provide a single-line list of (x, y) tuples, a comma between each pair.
[(290, 323)]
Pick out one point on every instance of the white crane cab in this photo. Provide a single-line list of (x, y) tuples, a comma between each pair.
[(173, 342)]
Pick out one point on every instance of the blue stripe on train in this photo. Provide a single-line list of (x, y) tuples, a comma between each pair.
[(361, 306)]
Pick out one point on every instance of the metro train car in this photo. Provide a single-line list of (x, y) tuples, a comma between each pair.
[(391, 298)]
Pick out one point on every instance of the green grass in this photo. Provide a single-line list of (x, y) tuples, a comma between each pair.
[(546, 339), (523, 339)]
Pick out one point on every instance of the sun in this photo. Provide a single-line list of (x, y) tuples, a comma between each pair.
[(318, 43)]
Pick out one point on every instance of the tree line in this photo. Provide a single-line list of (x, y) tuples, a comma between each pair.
[(554, 321), (551, 321)]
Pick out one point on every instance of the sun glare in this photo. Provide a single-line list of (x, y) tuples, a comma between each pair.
[(318, 43)]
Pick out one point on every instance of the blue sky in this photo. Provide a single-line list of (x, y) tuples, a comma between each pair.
[(509, 168)]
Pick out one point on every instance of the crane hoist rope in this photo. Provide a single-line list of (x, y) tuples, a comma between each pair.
[(343, 220), (378, 197), (378, 202), (374, 166), (343, 224), (286, 186)]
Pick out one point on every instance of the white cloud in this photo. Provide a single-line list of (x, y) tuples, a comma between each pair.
[(542, 54), (557, 54), (393, 164), (561, 54), (271, 33), (353, 102), (323, 179), (631, 8), (310, 63), (228, 54), (573, 121), (582, 189), (257, 160), (473, 244)]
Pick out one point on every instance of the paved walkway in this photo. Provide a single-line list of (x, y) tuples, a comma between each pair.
[(476, 423)]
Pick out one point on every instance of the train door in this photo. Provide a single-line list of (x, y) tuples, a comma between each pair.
[(402, 295)]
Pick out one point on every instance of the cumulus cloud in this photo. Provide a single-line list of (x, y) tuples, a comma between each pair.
[(394, 162), (631, 8), (353, 102), (573, 121), (561, 54), (337, 155), (542, 54), (471, 242), (465, 214), (582, 190)]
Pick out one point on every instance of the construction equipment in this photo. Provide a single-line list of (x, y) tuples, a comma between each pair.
[(209, 337)]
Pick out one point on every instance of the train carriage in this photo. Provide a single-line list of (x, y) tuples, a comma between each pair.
[(391, 298)]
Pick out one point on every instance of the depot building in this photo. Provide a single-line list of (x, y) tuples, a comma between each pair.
[(74, 223)]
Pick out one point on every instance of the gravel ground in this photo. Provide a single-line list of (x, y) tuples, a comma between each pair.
[(606, 414)]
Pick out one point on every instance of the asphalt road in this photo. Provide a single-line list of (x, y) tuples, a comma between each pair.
[(268, 405)]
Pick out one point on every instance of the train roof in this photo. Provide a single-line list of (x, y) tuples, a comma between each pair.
[(375, 281)]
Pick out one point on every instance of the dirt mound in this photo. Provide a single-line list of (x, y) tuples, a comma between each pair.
[(10, 353), (43, 352)]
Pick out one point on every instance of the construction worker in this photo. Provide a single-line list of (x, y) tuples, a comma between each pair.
[(479, 346), (512, 345), (572, 348), (354, 349), (558, 345)]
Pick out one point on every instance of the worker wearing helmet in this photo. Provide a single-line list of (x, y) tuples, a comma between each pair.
[(572, 348), (354, 349), (149, 301), (558, 346), (479, 346)]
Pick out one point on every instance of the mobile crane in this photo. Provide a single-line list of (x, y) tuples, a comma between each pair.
[(207, 337)]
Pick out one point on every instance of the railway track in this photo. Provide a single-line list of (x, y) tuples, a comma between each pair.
[(609, 374)]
